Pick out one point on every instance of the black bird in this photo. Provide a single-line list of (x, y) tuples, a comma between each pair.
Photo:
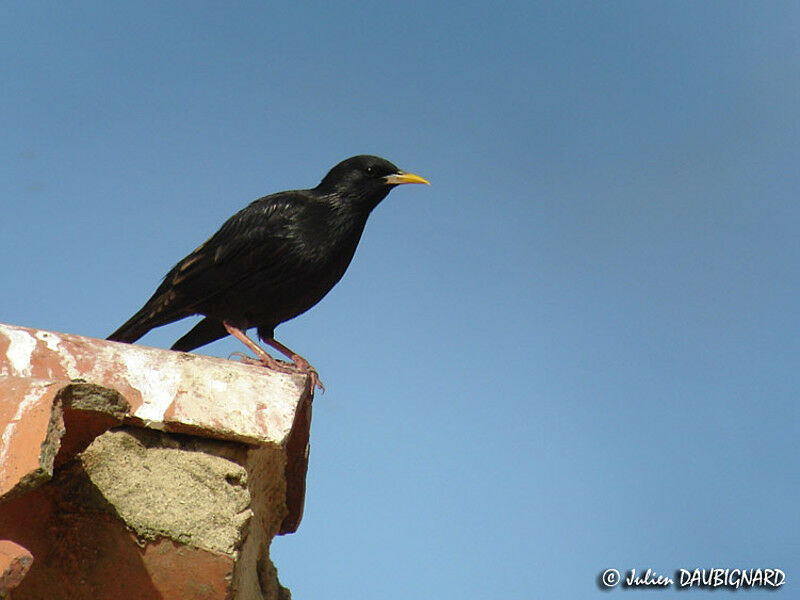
[(270, 262)]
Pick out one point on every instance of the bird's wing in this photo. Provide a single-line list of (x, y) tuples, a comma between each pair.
[(257, 241)]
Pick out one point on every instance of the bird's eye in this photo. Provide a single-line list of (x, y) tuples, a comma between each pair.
[(371, 171)]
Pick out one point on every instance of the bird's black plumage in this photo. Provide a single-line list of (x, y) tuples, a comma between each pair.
[(271, 261)]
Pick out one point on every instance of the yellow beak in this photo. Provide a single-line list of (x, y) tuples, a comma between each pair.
[(401, 177)]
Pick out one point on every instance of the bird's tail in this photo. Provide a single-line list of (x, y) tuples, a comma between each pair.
[(132, 329), (149, 316)]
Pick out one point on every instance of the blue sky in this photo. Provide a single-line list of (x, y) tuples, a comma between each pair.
[(576, 350)]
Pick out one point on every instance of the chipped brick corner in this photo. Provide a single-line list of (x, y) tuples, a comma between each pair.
[(132, 472)]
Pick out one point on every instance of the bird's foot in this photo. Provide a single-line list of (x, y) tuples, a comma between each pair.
[(312, 373), (298, 365), (301, 365), (271, 363), (243, 358)]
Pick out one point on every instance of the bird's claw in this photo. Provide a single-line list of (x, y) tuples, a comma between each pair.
[(301, 365), (315, 382), (243, 358), (274, 364)]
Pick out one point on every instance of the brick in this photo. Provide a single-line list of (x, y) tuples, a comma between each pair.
[(14, 564), (134, 472)]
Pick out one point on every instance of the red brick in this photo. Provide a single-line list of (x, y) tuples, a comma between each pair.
[(14, 564)]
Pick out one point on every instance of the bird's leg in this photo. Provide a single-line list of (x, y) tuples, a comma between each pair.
[(301, 363), (263, 356)]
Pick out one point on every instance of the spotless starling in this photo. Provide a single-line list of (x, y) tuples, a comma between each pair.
[(270, 262)]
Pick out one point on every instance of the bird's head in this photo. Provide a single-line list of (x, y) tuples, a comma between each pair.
[(365, 180)]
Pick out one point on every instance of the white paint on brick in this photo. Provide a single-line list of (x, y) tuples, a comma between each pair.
[(157, 380), (31, 397), (20, 350), (219, 386), (53, 342)]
